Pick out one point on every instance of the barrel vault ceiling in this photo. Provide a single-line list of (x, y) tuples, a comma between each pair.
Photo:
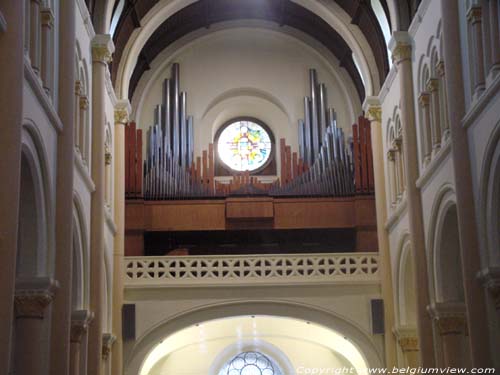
[(204, 13)]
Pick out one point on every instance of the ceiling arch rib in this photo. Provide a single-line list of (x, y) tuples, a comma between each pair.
[(203, 13)]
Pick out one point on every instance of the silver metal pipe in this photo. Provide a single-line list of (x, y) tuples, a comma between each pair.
[(322, 112), (183, 131), (314, 112), (190, 131), (308, 131), (175, 110), (167, 115)]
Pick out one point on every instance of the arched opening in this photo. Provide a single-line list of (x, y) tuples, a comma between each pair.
[(30, 236), (264, 344)]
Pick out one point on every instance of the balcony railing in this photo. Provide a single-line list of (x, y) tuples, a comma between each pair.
[(174, 271)]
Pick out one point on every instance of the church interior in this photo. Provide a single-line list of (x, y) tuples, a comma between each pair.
[(249, 187)]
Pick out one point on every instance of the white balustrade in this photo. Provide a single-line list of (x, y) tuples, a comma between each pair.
[(173, 271)]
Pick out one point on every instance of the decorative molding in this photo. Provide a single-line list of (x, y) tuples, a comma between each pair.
[(483, 101), (110, 89), (102, 48), (372, 108), (41, 95), (108, 340), (397, 214), (87, 20), (33, 295), (83, 171), (80, 320), (289, 270), (108, 158), (430, 169), (440, 69)]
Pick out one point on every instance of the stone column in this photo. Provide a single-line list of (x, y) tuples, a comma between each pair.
[(476, 45), (80, 320), (61, 313), (47, 50), (374, 114), (11, 107), (33, 296), (83, 129), (398, 144), (391, 158), (469, 244), (433, 89), (494, 38), (102, 49), (423, 100), (108, 340), (400, 46), (121, 119), (450, 323), (408, 343), (445, 124), (35, 31)]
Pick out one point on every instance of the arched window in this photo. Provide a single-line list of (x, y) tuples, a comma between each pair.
[(244, 144), (251, 363)]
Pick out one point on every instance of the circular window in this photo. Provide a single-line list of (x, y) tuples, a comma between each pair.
[(244, 145), (250, 363)]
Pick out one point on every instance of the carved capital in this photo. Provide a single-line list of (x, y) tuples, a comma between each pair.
[(78, 87), (84, 103), (474, 14), (80, 321), (107, 158), (408, 343), (391, 154), (102, 49), (108, 340), (440, 68), (121, 116), (374, 113), (423, 99), (33, 296), (451, 325), (401, 52), (47, 18), (432, 85)]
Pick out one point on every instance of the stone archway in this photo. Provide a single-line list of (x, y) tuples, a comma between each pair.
[(355, 335)]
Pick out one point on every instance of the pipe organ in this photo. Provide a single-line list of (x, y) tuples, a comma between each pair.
[(326, 164)]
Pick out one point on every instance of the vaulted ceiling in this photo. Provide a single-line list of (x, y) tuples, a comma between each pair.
[(203, 13)]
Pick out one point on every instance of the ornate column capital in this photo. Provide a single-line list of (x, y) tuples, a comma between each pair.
[(407, 339), (449, 317), (80, 320), (122, 112), (424, 98), (372, 108), (400, 46), (78, 87), (33, 295), (108, 340), (474, 14), (440, 68), (432, 85), (102, 48), (47, 18), (391, 154), (84, 103)]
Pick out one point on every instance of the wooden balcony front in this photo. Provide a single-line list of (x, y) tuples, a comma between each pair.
[(244, 213)]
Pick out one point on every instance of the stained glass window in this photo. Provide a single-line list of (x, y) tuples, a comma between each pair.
[(251, 363), (244, 145)]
